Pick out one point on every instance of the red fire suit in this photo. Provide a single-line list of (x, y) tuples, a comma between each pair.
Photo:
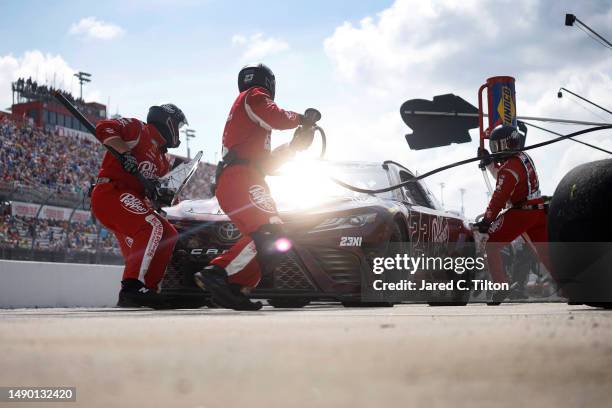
[(518, 188), (241, 190), (146, 239)]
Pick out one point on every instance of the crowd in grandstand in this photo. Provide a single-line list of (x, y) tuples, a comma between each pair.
[(200, 183), (37, 158), (55, 235), (33, 157), (31, 90), (44, 161)]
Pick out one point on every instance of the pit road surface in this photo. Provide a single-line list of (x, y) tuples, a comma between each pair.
[(540, 355)]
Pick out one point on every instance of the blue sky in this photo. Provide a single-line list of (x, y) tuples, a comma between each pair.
[(355, 61), (178, 51)]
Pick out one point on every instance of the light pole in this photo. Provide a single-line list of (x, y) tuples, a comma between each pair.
[(462, 191), (570, 19), (189, 134), (442, 193), (83, 77), (560, 95)]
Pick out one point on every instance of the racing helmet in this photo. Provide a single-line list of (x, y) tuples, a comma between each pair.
[(256, 75), (505, 138), (167, 119)]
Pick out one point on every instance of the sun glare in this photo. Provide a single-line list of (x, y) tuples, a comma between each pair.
[(283, 244), (304, 183)]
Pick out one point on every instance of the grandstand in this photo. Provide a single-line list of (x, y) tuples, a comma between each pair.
[(46, 170)]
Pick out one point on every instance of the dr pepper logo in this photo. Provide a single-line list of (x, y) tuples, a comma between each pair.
[(133, 204)]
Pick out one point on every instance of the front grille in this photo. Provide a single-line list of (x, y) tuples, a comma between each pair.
[(342, 266), (288, 275), (172, 278), (206, 234)]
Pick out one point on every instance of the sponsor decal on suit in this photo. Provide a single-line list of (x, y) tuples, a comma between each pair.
[(496, 224), (147, 169), (260, 198), (133, 204)]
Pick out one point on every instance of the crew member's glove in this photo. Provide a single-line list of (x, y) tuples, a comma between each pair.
[(128, 162), (151, 190), (302, 138), (485, 158), (482, 226), (165, 197), (310, 117)]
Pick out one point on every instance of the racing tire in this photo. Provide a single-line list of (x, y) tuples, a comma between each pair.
[(397, 236), (288, 303), (601, 305), (579, 222)]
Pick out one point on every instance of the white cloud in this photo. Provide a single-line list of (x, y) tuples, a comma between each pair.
[(91, 27), (257, 46), (421, 49), (45, 69)]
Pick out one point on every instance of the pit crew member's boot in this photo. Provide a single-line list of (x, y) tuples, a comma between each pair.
[(213, 278), (134, 293), (501, 295)]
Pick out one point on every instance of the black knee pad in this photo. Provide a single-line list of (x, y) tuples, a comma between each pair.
[(269, 248)]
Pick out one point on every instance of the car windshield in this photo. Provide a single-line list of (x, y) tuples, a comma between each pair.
[(302, 184)]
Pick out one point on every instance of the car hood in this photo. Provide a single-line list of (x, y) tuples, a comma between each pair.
[(209, 209)]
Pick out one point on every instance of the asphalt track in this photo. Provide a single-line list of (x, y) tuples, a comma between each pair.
[(540, 355)]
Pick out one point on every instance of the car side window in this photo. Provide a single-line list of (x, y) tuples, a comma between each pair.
[(414, 192)]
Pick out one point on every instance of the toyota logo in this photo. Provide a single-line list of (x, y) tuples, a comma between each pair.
[(228, 232)]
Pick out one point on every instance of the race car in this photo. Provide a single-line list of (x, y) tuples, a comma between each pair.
[(336, 233)]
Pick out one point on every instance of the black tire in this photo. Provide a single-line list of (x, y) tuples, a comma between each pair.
[(601, 305), (397, 236), (579, 223), (288, 303)]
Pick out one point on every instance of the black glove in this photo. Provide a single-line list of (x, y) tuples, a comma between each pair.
[(485, 158), (151, 190), (310, 117), (482, 226), (128, 162), (165, 197), (302, 138)]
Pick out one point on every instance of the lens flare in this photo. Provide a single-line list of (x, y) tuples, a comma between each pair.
[(282, 245)]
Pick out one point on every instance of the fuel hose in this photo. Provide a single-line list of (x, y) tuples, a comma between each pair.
[(500, 155)]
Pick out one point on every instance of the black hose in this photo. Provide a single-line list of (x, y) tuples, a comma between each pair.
[(466, 161), (323, 141), (601, 149)]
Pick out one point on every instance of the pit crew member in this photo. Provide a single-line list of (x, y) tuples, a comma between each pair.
[(241, 189), (517, 189), (121, 203)]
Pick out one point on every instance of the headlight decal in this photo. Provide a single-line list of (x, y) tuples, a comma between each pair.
[(349, 221)]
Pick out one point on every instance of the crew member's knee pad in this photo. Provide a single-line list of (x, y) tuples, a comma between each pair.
[(271, 244)]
